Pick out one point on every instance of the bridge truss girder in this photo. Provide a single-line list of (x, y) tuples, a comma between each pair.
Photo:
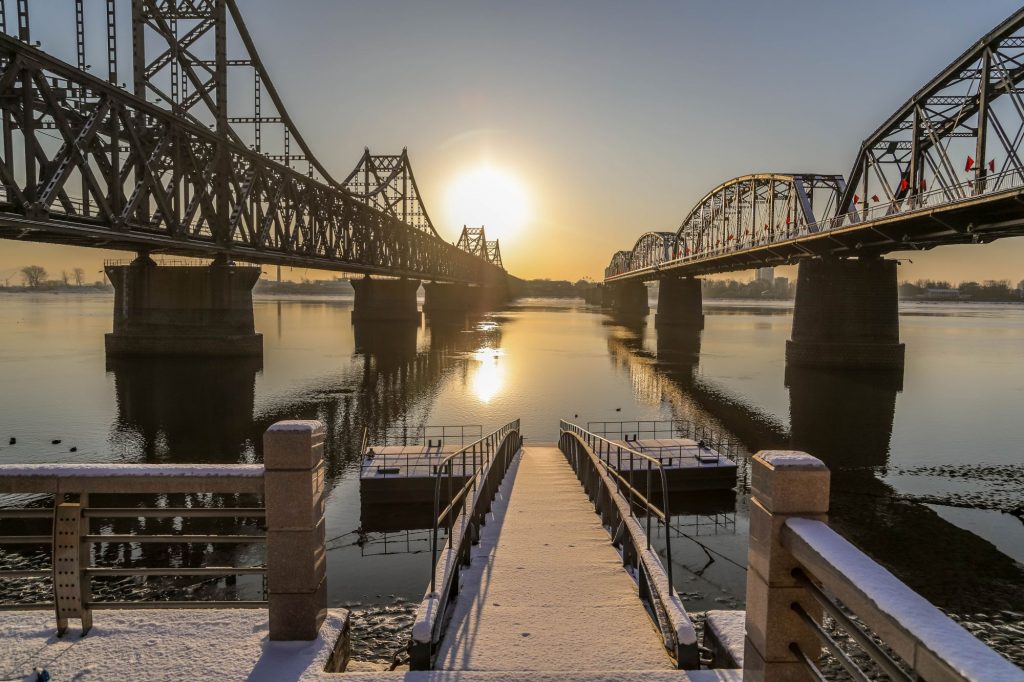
[(151, 180), (386, 182), (958, 136)]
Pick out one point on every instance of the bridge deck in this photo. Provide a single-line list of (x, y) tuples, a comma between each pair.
[(546, 591)]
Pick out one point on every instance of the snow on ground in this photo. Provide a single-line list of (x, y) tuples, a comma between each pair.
[(154, 645), (546, 590), (96, 470), (729, 628)]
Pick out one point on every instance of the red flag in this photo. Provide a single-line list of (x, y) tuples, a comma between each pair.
[(904, 185), (856, 199), (787, 219), (874, 198), (923, 186), (992, 165), (717, 242), (970, 163), (746, 231), (970, 184), (765, 228), (730, 238)]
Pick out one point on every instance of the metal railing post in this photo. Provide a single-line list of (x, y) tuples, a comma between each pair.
[(293, 485)]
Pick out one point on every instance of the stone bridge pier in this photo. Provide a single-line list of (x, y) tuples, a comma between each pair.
[(199, 310), (679, 304), (846, 315)]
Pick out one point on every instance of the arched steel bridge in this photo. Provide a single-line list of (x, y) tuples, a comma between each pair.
[(943, 169), (188, 160)]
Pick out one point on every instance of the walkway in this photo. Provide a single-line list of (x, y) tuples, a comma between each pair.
[(546, 591)]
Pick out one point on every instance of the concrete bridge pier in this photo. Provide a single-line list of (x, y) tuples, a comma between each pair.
[(628, 298), (679, 304), (846, 315), (199, 310), (446, 299), (390, 300)]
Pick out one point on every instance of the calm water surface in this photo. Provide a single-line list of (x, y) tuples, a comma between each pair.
[(928, 473)]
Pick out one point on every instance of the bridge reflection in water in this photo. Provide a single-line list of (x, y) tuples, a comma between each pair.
[(846, 419), (192, 409)]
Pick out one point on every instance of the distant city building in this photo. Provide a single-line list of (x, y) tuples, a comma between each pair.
[(766, 275), (941, 295), (781, 283)]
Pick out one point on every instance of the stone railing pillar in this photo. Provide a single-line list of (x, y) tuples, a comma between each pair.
[(784, 484), (293, 458)]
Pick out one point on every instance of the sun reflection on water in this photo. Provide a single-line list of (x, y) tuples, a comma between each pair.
[(489, 374)]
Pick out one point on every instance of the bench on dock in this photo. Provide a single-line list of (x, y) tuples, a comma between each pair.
[(85, 512)]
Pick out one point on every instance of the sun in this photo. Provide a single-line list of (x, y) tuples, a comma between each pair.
[(489, 196)]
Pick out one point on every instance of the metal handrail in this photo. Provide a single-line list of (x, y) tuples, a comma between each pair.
[(595, 443), (82, 484), (489, 457), (843, 580), (483, 448)]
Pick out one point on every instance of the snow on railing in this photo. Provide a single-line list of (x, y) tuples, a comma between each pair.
[(483, 463), (599, 463), (800, 569)]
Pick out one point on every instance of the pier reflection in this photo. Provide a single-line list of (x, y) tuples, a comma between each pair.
[(185, 409), (204, 410), (845, 415), (846, 419)]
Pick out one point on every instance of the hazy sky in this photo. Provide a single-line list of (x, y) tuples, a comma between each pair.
[(614, 117)]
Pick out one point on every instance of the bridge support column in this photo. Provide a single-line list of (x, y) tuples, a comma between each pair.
[(183, 310), (629, 298), (446, 299), (392, 300), (680, 304), (846, 315)]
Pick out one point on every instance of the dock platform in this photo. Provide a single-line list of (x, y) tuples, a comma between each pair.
[(689, 464), (545, 579)]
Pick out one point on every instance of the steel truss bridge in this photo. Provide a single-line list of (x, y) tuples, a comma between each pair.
[(943, 169), (189, 161)]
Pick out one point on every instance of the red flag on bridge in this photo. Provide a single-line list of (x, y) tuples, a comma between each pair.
[(874, 198), (746, 231), (992, 165), (856, 199), (787, 219), (923, 187), (730, 238), (904, 185), (970, 163)]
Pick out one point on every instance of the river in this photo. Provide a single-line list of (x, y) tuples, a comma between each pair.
[(928, 470)]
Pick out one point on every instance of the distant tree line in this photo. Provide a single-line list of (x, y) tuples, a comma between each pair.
[(778, 289), (36, 277), (991, 290)]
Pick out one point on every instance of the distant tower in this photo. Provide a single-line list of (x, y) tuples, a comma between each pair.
[(766, 275)]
